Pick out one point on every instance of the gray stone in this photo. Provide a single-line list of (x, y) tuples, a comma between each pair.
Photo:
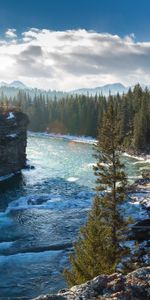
[(134, 286), (13, 141)]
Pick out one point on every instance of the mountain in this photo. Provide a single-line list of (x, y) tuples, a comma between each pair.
[(17, 85), (105, 90), (14, 84), (3, 83), (11, 89)]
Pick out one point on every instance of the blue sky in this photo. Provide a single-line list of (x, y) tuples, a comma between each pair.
[(114, 16), (69, 44)]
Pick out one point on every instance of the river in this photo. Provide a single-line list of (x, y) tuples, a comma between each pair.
[(41, 213)]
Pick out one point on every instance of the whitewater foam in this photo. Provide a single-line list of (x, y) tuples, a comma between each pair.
[(50, 201), (72, 179)]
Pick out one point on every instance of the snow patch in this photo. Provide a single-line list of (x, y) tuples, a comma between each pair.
[(141, 159), (136, 205), (146, 259), (72, 138), (10, 116), (13, 135)]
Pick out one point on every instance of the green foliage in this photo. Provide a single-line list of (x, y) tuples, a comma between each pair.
[(81, 115), (93, 251), (98, 248)]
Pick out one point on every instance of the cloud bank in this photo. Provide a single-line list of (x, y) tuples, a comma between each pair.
[(65, 60)]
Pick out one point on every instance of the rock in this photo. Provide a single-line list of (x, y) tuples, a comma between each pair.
[(141, 230), (13, 140), (29, 167), (143, 181), (134, 286)]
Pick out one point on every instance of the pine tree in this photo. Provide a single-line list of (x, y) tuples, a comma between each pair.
[(98, 248), (110, 172)]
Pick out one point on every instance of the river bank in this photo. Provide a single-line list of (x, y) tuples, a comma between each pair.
[(143, 156)]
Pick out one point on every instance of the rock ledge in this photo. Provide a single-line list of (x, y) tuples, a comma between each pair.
[(134, 286)]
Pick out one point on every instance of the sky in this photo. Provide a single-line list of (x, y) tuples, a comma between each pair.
[(70, 44)]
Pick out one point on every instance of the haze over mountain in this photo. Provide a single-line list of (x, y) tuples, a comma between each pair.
[(14, 84), (12, 88), (105, 89)]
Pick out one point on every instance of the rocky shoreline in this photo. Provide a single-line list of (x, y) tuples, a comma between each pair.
[(134, 286), (139, 194), (13, 141)]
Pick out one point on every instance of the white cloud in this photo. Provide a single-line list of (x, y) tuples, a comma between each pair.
[(11, 33), (72, 59)]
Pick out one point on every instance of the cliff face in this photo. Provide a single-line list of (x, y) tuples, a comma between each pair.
[(13, 141)]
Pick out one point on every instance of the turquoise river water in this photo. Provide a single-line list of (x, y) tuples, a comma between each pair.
[(41, 213)]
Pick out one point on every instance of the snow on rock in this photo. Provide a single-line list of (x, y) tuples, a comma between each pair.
[(146, 259), (139, 158), (10, 116), (133, 207), (13, 135), (142, 199)]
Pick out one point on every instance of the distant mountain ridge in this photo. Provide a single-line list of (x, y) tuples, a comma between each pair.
[(14, 84), (12, 88), (105, 90)]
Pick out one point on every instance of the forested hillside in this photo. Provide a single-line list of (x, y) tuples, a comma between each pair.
[(81, 115)]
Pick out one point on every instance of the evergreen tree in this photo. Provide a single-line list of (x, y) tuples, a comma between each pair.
[(93, 251), (80, 114), (98, 249), (110, 173)]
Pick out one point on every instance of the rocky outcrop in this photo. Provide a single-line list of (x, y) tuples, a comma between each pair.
[(134, 286), (13, 140), (141, 230)]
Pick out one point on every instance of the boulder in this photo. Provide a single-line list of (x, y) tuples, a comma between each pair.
[(141, 230), (134, 286)]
